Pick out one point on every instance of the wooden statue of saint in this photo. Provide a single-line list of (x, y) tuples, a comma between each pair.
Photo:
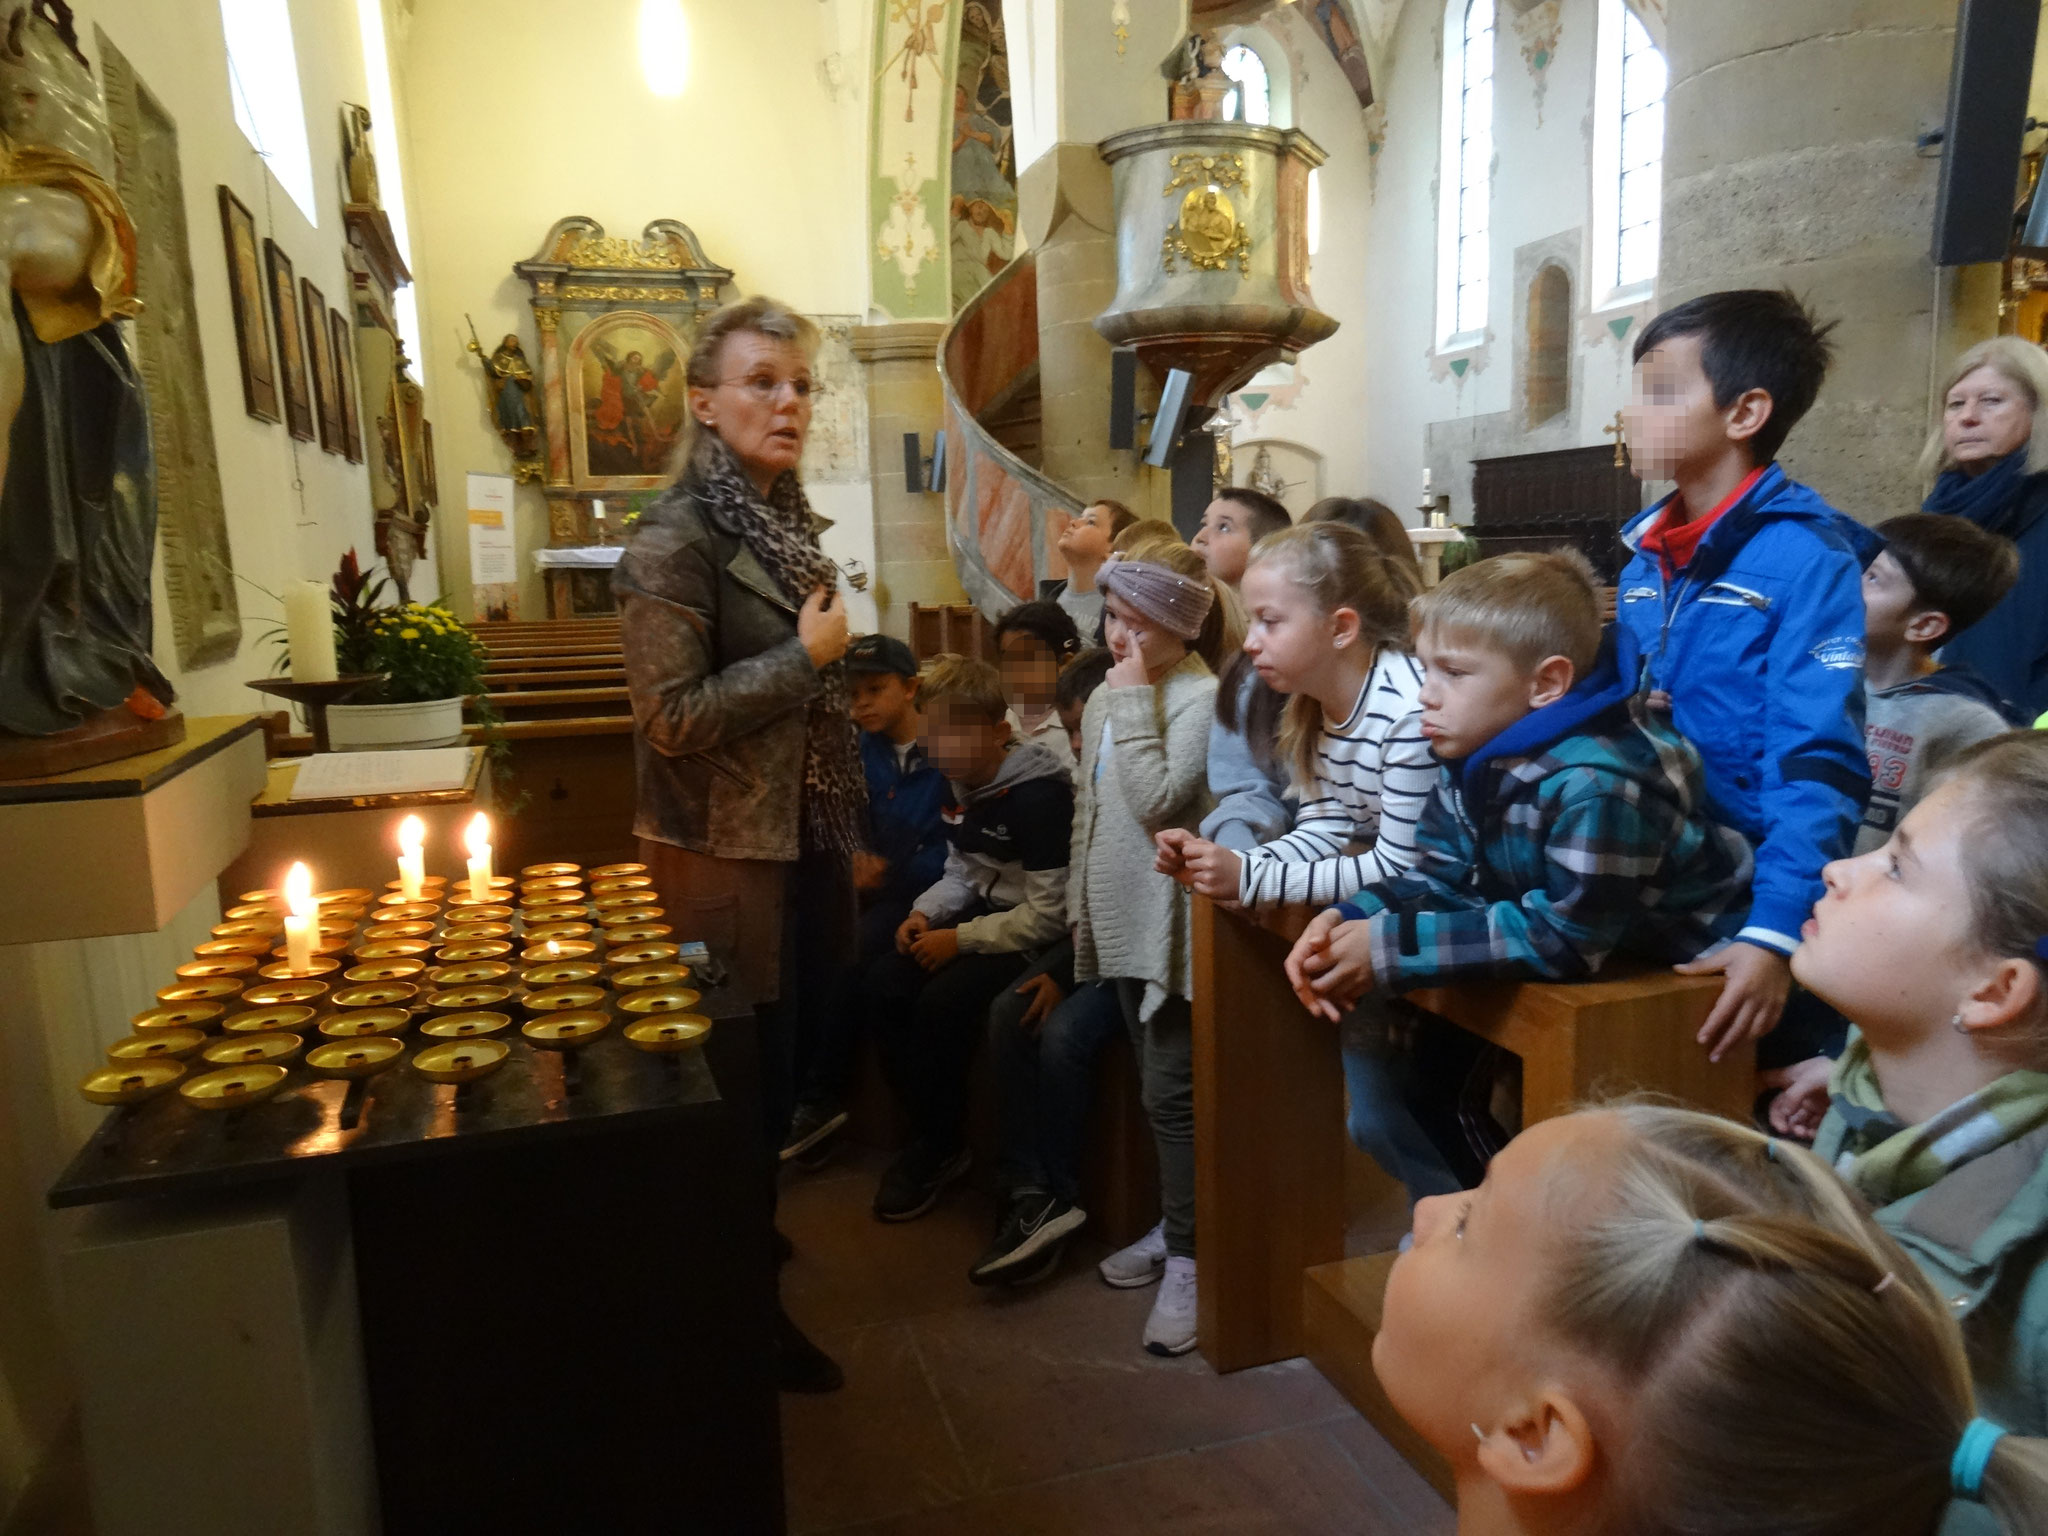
[(77, 479), (510, 379)]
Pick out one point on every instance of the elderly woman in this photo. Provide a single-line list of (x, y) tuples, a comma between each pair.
[(1991, 456), (752, 797)]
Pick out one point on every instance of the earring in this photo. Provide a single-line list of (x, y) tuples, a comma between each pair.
[(1956, 1023), (1480, 1433)]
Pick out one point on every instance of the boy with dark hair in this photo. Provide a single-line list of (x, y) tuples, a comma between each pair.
[(1079, 678), (1744, 594), (1034, 641), (906, 853), (1231, 524), (1935, 577), (1002, 898)]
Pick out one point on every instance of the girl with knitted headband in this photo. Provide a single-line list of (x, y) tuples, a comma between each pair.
[(1143, 769), (1655, 1322)]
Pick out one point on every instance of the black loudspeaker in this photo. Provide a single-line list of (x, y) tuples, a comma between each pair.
[(1123, 398), (913, 463), (1173, 405), (1987, 113)]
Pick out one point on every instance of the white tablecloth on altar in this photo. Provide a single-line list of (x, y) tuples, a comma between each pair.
[(588, 555)]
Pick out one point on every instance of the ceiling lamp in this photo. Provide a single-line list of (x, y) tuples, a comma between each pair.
[(664, 47)]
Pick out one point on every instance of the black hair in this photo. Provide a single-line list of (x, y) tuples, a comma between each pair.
[(1956, 568), (1753, 338), (1265, 514), (1082, 676), (1264, 710), (1046, 622)]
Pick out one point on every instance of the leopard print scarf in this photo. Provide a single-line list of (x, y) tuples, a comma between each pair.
[(778, 531)]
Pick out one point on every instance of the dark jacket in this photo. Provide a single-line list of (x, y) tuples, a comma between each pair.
[(2009, 645), (1578, 832), (905, 817), (1759, 642), (1005, 881), (719, 684)]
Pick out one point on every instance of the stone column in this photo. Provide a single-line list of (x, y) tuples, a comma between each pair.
[(1789, 161), (912, 562)]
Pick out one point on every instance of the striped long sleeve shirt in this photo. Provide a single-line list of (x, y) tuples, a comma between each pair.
[(1358, 816)]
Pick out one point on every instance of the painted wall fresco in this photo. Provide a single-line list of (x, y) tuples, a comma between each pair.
[(982, 207), (916, 48)]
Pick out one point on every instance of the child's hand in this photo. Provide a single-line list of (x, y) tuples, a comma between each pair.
[(1749, 1005), (1212, 870), (913, 927), (1660, 701), (1802, 1101), (1045, 995), (935, 947), (868, 870), (1309, 958), (1347, 970), (1129, 672), (1172, 845)]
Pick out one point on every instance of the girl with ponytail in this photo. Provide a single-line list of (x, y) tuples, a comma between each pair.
[(1652, 1322)]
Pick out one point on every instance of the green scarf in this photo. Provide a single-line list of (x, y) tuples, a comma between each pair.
[(1886, 1159)]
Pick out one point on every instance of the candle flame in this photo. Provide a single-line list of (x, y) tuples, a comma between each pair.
[(554, 949), (298, 892), (412, 836), (478, 838)]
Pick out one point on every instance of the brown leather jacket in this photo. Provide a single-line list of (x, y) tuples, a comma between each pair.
[(719, 684)]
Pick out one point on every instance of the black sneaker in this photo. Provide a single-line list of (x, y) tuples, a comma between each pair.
[(915, 1181), (1036, 1226), (811, 1131)]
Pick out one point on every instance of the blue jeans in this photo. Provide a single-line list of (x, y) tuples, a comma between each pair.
[(1378, 1081), (1045, 1077)]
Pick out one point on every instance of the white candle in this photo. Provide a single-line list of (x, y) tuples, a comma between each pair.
[(597, 510), (412, 861), (478, 841), (309, 631), (302, 919), (1427, 483)]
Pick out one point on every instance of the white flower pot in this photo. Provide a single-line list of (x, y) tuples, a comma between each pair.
[(390, 727)]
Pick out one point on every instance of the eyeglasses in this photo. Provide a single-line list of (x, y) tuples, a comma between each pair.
[(766, 389)]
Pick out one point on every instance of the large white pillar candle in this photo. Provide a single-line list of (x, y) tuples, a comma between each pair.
[(309, 631), (478, 841), (302, 919), (412, 860)]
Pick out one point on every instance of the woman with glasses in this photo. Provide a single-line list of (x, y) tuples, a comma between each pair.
[(751, 793)]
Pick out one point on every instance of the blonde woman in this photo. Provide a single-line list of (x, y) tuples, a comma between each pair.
[(1988, 460)]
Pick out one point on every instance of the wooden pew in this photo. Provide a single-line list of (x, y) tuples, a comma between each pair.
[(1270, 1141)]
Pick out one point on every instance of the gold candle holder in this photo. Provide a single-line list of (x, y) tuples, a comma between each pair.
[(617, 883), (347, 896), (217, 965), (620, 899), (562, 973), (610, 871), (385, 970), (626, 956), (469, 972), (362, 1022), (273, 994), (328, 947), (377, 994), (188, 1015), (242, 1050), (248, 909), (470, 933), (556, 999), (630, 917), (466, 998), (263, 898), (131, 1082), (255, 944), (408, 911), (557, 949), (415, 929), (233, 1087), (427, 883), (639, 976), (493, 912), (361, 1057), (474, 1025), (669, 999), (319, 965), (393, 949), (668, 1033), (542, 884), (460, 1061), (158, 1044), (210, 990), (549, 871), (569, 1030), (249, 927), (637, 933), (578, 930), (480, 949), (288, 1019), (552, 901)]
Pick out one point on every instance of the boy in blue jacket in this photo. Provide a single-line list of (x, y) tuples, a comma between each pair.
[(906, 854), (1744, 597)]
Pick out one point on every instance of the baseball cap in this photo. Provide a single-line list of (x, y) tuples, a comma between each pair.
[(881, 653)]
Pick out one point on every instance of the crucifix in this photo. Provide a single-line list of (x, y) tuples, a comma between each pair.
[(1619, 432)]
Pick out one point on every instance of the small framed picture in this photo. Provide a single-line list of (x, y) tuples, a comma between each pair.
[(245, 293), (320, 353), (291, 341), (342, 336)]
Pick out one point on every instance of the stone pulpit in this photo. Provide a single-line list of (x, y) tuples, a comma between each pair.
[(1212, 250)]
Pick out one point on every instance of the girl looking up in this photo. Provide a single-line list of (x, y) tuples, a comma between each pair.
[(1144, 736), (1935, 945), (1654, 1322)]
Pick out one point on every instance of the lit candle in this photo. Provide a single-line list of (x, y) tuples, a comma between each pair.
[(478, 841), (412, 861), (309, 631), (302, 920), (554, 949)]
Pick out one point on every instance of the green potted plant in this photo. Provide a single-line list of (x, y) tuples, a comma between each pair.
[(432, 664)]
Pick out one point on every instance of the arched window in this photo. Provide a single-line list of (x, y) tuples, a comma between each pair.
[(263, 79), (1628, 154), (1251, 101), (1467, 178)]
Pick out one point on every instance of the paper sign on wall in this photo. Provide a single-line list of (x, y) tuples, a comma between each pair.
[(492, 559)]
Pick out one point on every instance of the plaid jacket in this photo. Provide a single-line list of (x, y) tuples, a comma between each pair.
[(1577, 832)]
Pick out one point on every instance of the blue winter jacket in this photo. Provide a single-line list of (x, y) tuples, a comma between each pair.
[(904, 824), (1759, 642)]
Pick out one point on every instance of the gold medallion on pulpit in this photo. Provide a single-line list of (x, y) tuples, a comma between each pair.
[(1208, 236)]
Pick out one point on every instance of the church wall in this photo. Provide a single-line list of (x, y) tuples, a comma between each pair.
[(524, 113)]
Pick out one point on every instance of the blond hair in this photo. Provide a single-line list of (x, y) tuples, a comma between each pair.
[(2005, 863), (968, 679), (1525, 606), (1790, 1371), (1143, 538), (758, 314), (1338, 567), (2021, 364)]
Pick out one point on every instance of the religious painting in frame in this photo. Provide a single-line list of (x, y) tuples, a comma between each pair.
[(245, 295), (342, 338), (291, 341), (320, 354), (625, 401)]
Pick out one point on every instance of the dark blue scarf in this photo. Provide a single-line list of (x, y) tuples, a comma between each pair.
[(1995, 500)]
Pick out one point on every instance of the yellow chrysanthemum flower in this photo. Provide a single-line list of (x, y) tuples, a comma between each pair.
[(408, 634)]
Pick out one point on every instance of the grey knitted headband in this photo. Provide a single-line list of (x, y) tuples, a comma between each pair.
[(1177, 604)]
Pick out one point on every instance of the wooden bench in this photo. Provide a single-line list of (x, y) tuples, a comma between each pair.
[(1270, 1142)]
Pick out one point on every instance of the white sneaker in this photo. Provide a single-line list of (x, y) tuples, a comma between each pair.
[(1170, 1330), (1137, 1265)]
